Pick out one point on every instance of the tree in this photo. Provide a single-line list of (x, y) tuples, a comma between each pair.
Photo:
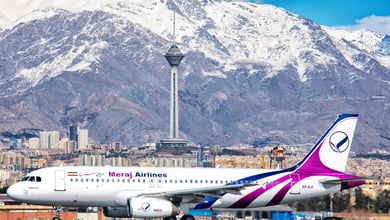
[(382, 202), (362, 201)]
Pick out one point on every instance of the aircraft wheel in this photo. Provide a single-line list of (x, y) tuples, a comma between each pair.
[(56, 218), (187, 217), (170, 218)]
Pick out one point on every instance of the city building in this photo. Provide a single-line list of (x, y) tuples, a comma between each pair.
[(82, 139), (48, 139), (116, 146), (73, 132), (33, 143), (171, 161)]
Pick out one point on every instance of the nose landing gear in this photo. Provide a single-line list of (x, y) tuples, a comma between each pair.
[(58, 210)]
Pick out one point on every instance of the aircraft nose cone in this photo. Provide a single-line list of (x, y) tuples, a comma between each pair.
[(15, 192)]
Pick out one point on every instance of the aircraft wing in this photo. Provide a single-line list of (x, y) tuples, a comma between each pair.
[(200, 193)]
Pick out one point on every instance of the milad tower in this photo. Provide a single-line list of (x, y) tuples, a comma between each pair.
[(174, 57)]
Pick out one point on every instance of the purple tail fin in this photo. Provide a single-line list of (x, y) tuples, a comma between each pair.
[(331, 151)]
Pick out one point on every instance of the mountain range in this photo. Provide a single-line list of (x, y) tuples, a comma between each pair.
[(254, 72)]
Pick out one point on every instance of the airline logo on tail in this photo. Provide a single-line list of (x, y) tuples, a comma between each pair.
[(339, 141)]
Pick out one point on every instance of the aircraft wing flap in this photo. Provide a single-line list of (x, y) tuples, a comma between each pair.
[(213, 191)]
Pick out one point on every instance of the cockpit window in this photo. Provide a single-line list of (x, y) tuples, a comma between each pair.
[(32, 178)]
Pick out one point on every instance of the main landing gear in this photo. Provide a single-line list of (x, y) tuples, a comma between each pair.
[(184, 217), (187, 217), (58, 210)]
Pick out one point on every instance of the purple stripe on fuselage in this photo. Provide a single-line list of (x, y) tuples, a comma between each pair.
[(313, 164), (207, 203), (245, 201), (282, 193), (248, 199)]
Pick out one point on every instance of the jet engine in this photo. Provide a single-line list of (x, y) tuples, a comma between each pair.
[(142, 208)]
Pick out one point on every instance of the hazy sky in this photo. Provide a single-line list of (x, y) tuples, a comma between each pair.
[(354, 14)]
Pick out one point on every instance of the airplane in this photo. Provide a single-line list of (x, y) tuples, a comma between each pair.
[(156, 192)]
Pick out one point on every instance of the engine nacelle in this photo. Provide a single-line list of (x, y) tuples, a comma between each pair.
[(143, 208)]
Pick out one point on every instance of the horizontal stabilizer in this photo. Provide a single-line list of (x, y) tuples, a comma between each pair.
[(338, 181)]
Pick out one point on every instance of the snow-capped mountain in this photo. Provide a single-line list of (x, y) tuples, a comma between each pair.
[(253, 71)]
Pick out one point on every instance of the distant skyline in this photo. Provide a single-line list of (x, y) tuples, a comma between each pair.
[(373, 15)]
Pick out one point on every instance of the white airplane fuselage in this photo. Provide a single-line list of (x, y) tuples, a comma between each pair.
[(111, 186), (151, 192)]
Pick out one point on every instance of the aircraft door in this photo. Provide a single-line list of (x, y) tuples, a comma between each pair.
[(295, 183), (59, 180)]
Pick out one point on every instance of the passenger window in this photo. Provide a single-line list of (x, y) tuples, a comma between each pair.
[(76, 180), (86, 180), (71, 179), (81, 180)]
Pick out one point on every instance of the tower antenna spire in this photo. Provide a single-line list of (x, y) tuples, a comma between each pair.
[(174, 28)]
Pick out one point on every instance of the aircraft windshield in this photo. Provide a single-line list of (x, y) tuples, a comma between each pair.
[(32, 178)]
